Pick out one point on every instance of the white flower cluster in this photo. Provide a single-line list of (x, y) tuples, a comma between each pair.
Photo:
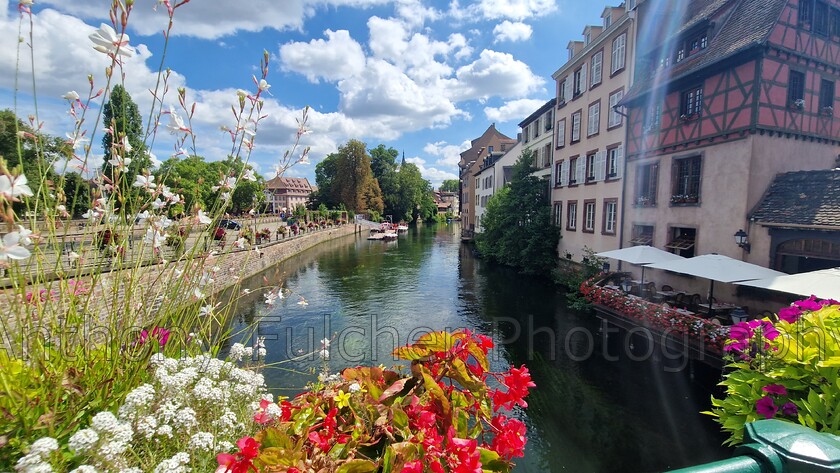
[(199, 405), (36, 460)]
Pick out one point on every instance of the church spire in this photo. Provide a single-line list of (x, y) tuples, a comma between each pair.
[(403, 159)]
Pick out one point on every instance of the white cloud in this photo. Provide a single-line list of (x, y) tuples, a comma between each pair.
[(414, 13), (448, 155), (495, 74), (498, 9), (210, 20), (510, 31), (434, 175), (342, 54), (514, 110)]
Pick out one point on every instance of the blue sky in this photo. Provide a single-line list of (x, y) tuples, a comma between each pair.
[(422, 76)]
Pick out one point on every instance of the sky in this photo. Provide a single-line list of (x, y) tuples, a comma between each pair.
[(422, 76)]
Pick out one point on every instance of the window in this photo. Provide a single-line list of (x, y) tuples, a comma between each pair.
[(561, 92), (558, 174), (526, 133), (805, 11), (826, 94), (647, 176), (821, 18), (796, 89), (594, 119), (682, 241), (547, 155), (652, 117), (597, 67), (536, 127), (573, 165), (607, 21), (478, 183), (686, 175), (692, 46), (561, 133), (589, 216), (835, 22), (618, 53), (549, 120), (614, 118), (614, 158), (691, 103), (579, 81), (642, 235), (610, 216), (587, 37), (576, 127), (590, 167), (557, 214), (571, 215)]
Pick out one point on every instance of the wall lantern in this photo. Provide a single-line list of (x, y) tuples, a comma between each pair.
[(741, 239)]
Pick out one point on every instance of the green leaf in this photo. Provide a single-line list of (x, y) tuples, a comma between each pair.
[(357, 466)]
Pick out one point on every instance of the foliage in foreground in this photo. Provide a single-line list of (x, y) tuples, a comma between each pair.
[(516, 226), (441, 416), (784, 370), (572, 276)]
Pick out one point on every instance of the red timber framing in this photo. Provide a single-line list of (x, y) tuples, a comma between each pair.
[(798, 45), (750, 92)]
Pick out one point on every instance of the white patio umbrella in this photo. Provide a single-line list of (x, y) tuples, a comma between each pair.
[(824, 283), (717, 268), (640, 255)]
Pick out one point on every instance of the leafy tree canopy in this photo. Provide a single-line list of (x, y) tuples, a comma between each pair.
[(449, 185), (516, 225)]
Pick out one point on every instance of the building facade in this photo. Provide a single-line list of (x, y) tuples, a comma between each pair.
[(491, 141), (736, 93), (283, 194), (492, 177), (537, 135), (587, 175)]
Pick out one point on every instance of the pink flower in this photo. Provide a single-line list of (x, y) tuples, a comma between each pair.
[(809, 304), (412, 467), (790, 314), (776, 389), (159, 334), (790, 409), (766, 407)]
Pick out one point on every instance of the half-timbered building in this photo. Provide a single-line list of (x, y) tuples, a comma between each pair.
[(727, 94)]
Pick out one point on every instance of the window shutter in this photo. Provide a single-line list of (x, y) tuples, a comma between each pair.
[(564, 173), (561, 133), (580, 172), (619, 161), (583, 83), (567, 94), (600, 165)]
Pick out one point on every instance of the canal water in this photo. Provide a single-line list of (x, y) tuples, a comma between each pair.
[(606, 400)]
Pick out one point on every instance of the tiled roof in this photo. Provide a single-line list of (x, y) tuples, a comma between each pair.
[(808, 198), (296, 183), (740, 26)]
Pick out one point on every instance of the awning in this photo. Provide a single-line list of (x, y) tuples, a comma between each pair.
[(824, 283), (681, 243)]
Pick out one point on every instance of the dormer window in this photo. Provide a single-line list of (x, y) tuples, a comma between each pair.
[(571, 52), (692, 46), (587, 37), (607, 21)]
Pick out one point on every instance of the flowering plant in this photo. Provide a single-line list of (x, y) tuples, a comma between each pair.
[(785, 370), (442, 415), (656, 316)]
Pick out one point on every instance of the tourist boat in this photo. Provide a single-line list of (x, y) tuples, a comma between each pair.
[(376, 234), (402, 227)]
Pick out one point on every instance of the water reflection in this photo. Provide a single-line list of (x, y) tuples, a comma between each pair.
[(595, 410)]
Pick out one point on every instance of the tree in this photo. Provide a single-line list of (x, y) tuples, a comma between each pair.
[(449, 185), (122, 117), (353, 182), (35, 161), (384, 167), (76, 193), (325, 172), (413, 190), (248, 193), (516, 225)]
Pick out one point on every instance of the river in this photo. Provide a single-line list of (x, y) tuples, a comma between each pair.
[(605, 401)]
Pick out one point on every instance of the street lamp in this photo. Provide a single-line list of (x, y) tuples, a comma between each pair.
[(741, 239)]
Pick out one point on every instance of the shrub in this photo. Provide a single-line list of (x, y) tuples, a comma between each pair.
[(785, 370)]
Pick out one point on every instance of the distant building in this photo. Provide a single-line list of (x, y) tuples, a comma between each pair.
[(286, 193), (447, 202), (491, 141)]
